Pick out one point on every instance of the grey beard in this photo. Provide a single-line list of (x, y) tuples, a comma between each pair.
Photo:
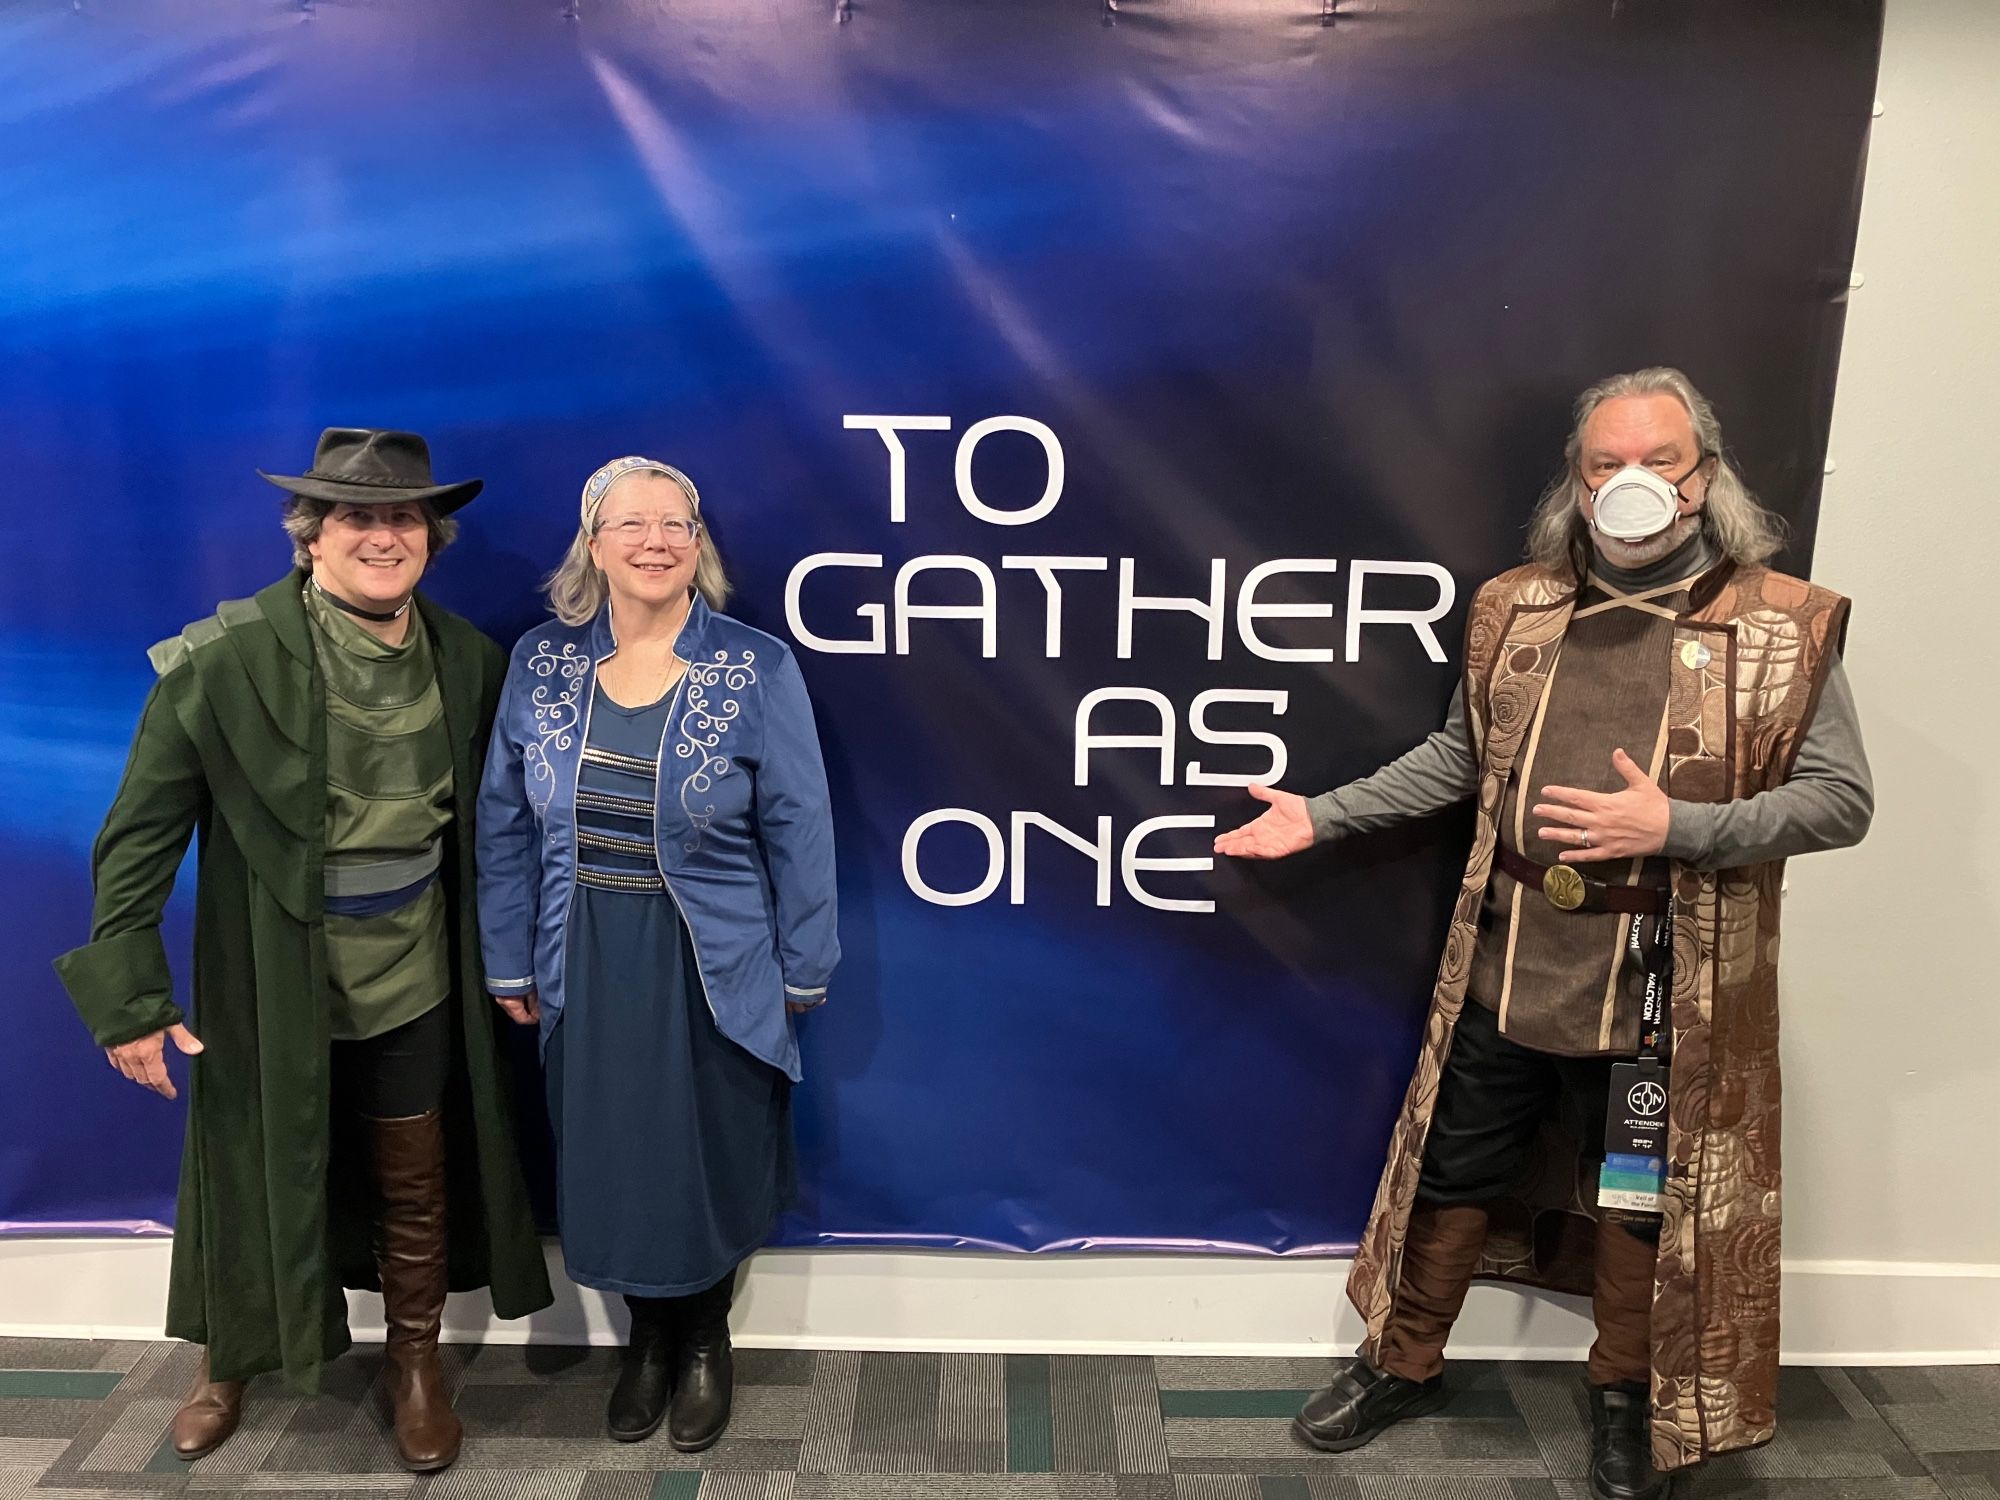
[(1633, 555)]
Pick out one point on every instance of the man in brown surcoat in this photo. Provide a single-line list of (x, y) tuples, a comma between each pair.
[(1651, 721)]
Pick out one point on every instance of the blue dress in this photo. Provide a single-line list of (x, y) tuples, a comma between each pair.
[(673, 1144)]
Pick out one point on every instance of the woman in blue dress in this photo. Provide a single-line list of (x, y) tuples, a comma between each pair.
[(656, 893)]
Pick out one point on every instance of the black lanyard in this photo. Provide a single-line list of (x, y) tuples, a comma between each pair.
[(1657, 960)]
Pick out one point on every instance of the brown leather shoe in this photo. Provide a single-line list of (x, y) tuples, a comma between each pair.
[(208, 1416), (409, 1170)]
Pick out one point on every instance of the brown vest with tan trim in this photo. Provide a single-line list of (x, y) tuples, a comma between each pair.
[(1745, 667), (1558, 980)]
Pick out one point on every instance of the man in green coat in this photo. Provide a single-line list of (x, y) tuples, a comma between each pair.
[(350, 1118)]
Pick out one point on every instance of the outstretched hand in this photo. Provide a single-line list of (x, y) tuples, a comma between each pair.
[(1284, 827), (1629, 824), (145, 1060)]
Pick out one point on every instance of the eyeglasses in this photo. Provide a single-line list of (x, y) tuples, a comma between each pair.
[(631, 530)]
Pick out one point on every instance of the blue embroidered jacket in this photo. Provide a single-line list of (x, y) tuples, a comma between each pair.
[(743, 830)]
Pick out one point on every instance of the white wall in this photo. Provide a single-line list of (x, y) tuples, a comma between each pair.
[(1892, 1047), (1892, 1009)]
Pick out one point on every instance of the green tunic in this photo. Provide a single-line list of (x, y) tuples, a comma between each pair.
[(273, 1218), (389, 784)]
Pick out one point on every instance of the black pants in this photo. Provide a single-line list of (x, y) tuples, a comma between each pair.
[(1491, 1101), (397, 1074)]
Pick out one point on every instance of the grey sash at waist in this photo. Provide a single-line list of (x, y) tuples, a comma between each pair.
[(375, 877)]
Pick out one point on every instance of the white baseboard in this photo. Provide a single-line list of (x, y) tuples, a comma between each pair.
[(1835, 1312)]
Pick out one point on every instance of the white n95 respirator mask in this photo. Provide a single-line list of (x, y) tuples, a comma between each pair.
[(1635, 503)]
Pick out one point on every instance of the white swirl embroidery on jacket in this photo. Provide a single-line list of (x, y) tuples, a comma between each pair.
[(704, 725), (557, 714)]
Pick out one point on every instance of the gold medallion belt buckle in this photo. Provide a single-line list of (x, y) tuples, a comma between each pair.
[(1563, 886)]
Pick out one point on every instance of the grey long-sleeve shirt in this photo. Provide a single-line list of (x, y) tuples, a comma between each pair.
[(1826, 803)]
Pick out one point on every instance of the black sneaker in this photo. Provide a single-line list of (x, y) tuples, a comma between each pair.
[(1361, 1402), (1621, 1445)]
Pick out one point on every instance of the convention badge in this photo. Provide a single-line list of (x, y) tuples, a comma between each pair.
[(1635, 1137)]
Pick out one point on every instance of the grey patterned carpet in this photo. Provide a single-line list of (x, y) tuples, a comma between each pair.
[(85, 1421)]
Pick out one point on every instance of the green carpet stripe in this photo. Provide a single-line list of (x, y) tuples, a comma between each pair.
[(1030, 1423), (1232, 1403), (69, 1385)]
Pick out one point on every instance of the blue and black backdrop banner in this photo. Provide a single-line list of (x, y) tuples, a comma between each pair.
[(1113, 403)]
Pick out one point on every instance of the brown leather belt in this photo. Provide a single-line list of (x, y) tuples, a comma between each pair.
[(1566, 890)]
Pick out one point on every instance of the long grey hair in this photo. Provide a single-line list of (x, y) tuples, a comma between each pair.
[(1739, 527)]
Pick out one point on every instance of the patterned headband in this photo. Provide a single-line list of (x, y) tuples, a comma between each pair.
[(599, 484)]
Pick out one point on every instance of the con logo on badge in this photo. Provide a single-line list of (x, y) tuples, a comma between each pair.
[(1694, 655), (1648, 1100)]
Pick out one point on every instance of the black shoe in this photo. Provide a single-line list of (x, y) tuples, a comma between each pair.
[(1361, 1402), (1621, 1445), (704, 1369), (639, 1400)]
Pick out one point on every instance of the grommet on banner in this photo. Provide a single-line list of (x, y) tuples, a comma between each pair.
[(1108, 14), (843, 12)]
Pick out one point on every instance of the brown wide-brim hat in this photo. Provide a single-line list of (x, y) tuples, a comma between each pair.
[(372, 466)]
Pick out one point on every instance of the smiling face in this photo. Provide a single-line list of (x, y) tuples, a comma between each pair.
[(1656, 433), (371, 555), (647, 540)]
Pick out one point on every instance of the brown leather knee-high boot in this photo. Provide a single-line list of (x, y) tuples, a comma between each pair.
[(1621, 1300), (208, 1415), (409, 1171), (1438, 1260)]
